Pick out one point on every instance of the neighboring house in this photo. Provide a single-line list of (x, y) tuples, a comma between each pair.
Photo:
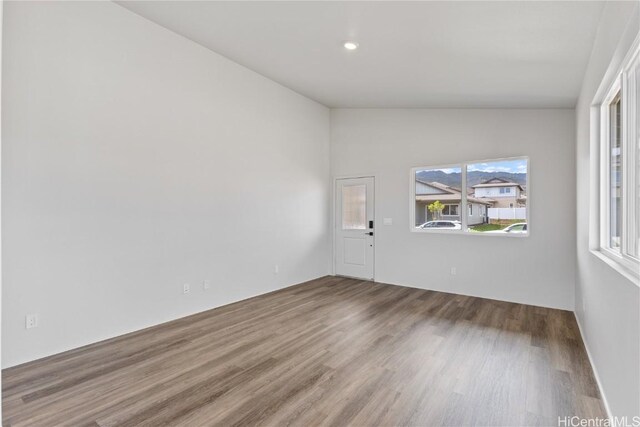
[(503, 193), (451, 198)]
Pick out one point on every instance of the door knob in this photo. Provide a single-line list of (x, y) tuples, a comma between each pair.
[(370, 233)]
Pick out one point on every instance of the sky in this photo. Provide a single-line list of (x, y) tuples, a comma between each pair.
[(512, 166), (449, 170)]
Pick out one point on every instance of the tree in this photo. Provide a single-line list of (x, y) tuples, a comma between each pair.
[(436, 209)]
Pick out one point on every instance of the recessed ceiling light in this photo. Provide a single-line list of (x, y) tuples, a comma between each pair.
[(350, 45)]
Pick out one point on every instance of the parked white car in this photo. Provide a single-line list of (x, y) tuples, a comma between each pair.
[(441, 225), (517, 228)]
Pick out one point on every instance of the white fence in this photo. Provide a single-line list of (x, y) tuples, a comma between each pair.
[(507, 213)]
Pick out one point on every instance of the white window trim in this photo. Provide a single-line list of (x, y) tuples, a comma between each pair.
[(619, 260), (463, 202)]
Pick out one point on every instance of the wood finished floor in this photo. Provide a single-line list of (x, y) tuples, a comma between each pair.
[(332, 351)]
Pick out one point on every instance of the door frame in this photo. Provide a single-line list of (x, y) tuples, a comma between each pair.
[(334, 186)]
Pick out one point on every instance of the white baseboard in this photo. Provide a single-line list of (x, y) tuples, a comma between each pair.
[(593, 367)]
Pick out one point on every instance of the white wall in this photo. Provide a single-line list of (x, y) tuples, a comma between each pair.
[(135, 160), (1, 21), (539, 269), (607, 303)]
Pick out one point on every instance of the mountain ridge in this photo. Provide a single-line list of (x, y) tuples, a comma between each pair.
[(473, 178)]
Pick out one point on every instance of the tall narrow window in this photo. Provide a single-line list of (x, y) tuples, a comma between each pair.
[(634, 159), (620, 166), (615, 173)]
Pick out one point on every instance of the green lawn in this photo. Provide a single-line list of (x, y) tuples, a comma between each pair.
[(487, 227)]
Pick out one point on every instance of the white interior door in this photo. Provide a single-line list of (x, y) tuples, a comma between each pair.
[(354, 227)]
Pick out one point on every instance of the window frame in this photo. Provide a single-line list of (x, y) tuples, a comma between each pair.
[(628, 117), (464, 205)]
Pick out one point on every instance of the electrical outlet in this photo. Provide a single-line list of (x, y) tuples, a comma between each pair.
[(31, 321), (454, 271), (206, 285), (276, 269), (186, 288)]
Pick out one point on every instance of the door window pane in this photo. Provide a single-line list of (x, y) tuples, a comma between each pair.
[(354, 207), (615, 175)]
